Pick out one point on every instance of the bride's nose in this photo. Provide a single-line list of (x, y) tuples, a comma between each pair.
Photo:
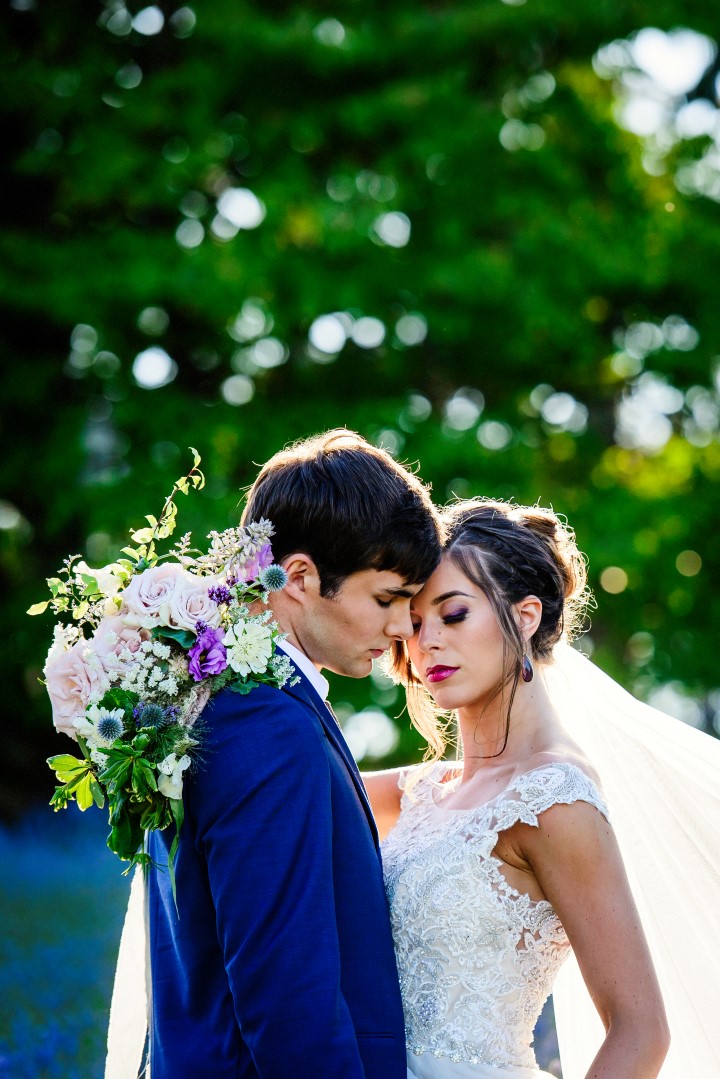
[(428, 639)]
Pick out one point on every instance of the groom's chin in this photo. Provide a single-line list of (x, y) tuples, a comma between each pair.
[(352, 666)]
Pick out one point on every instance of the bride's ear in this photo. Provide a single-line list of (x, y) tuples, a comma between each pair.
[(528, 613), (303, 578)]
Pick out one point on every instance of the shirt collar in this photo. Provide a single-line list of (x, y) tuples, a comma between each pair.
[(318, 681)]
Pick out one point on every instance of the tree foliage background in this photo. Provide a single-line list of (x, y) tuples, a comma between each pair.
[(482, 233)]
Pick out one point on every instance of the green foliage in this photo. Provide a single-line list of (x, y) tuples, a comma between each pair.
[(534, 250)]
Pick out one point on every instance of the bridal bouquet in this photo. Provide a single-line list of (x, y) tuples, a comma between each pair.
[(139, 648)]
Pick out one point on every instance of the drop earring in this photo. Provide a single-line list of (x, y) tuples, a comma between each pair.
[(526, 668)]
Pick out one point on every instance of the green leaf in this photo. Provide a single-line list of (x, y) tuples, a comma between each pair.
[(143, 535), (38, 608), (143, 779), (184, 637), (61, 798), (84, 794), (97, 792), (126, 837), (242, 686), (178, 812), (63, 762)]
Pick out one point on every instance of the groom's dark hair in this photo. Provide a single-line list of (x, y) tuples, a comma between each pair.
[(349, 506)]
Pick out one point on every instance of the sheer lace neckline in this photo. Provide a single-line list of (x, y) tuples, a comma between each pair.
[(436, 779)]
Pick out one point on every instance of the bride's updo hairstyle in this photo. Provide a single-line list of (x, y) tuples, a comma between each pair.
[(509, 552)]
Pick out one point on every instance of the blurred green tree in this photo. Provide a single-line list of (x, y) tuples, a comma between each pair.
[(481, 233)]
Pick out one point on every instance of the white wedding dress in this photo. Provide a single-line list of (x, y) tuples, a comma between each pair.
[(477, 959)]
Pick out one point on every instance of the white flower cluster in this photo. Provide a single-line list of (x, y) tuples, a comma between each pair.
[(64, 637), (143, 673), (283, 669), (233, 548), (249, 647)]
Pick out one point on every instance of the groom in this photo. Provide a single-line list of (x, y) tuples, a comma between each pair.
[(279, 960)]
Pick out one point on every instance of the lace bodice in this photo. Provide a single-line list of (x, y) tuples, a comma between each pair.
[(476, 958)]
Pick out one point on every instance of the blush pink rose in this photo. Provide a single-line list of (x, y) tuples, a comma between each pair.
[(190, 603), (146, 600), (112, 637), (71, 678)]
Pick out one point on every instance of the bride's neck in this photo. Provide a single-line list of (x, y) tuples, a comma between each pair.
[(489, 742)]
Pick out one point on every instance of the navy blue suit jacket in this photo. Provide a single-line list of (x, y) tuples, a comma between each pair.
[(280, 963)]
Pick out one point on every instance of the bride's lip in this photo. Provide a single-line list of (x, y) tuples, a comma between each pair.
[(440, 673)]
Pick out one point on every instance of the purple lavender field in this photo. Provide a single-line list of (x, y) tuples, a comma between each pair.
[(62, 902)]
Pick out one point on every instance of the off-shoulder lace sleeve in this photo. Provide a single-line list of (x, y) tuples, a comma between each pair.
[(533, 792), (558, 783)]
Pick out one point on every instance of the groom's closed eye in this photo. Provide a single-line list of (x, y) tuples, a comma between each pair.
[(393, 594)]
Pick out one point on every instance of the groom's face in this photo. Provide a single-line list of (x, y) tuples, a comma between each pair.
[(346, 632)]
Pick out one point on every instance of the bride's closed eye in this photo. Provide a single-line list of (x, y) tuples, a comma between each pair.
[(452, 617)]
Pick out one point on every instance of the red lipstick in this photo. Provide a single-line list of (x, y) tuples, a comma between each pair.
[(439, 673)]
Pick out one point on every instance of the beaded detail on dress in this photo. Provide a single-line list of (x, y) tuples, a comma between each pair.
[(476, 958)]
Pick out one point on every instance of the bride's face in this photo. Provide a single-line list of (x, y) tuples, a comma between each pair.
[(457, 645)]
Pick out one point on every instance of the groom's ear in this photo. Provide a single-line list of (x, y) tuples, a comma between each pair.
[(303, 578)]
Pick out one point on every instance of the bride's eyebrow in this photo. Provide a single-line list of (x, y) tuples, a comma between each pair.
[(449, 595)]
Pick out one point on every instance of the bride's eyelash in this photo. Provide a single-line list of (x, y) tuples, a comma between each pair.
[(455, 616)]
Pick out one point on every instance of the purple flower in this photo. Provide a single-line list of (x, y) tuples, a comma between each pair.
[(220, 594), (208, 655), (263, 558)]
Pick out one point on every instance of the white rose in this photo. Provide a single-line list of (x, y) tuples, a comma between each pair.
[(190, 603), (109, 578), (249, 646), (147, 597), (72, 679), (170, 780)]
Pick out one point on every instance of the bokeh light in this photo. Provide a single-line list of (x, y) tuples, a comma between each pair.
[(614, 580), (153, 368)]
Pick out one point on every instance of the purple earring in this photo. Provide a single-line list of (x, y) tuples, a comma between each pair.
[(526, 668)]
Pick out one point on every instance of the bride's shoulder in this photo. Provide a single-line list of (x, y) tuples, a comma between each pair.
[(555, 776)]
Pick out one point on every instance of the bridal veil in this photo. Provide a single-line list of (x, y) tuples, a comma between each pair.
[(661, 779)]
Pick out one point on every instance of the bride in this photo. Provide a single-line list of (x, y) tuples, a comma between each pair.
[(569, 833)]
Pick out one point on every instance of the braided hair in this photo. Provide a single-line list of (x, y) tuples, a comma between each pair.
[(509, 552)]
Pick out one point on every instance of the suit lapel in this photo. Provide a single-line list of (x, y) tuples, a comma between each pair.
[(303, 691)]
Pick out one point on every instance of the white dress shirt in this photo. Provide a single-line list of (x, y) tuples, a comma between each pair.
[(318, 681)]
